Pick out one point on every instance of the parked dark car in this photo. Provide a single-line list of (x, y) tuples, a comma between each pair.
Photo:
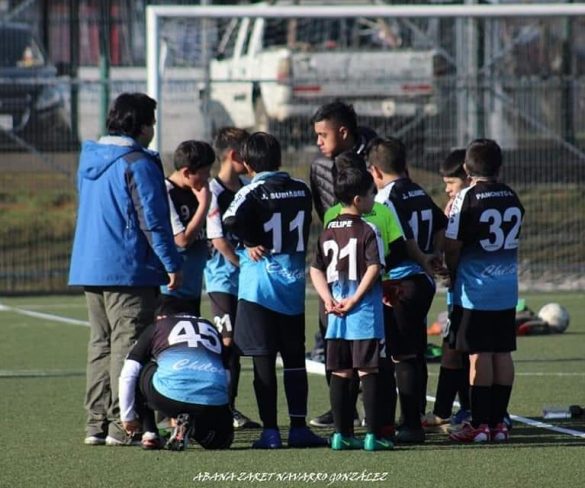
[(33, 108)]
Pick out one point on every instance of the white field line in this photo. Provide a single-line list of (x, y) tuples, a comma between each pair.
[(45, 316), (319, 368)]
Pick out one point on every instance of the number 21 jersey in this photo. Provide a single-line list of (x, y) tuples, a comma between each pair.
[(486, 218)]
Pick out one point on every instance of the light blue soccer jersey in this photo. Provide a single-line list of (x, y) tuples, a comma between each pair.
[(486, 218), (276, 282), (177, 369), (273, 211), (220, 274)]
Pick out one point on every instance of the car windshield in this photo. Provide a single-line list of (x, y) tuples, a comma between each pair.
[(19, 50), (368, 33)]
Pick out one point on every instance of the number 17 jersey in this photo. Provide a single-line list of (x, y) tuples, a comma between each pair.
[(486, 218)]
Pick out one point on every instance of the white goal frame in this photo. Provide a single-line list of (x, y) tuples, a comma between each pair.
[(155, 12)]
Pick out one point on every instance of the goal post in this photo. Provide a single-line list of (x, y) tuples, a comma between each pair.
[(154, 13)]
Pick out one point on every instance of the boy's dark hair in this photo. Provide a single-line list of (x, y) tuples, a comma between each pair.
[(388, 154), (483, 157), (340, 112), (352, 182), (229, 138), (349, 159), (262, 152), (452, 166), (129, 113), (193, 155)]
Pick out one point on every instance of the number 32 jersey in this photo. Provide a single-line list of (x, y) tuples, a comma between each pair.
[(273, 211), (486, 218)]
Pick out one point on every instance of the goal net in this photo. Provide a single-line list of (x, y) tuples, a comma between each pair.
[(437, 76)]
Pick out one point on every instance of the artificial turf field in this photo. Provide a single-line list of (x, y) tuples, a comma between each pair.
[(42, 380)]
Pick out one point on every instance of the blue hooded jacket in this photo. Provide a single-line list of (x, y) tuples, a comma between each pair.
[(123, 235)]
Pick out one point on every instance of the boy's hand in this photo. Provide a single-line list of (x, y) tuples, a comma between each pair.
[(345, 305), (203, 195), (256, 253), (330, 306)]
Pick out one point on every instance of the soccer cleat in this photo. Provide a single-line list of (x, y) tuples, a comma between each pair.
[(324, 420), (129, 440), (341, 443), (269, 439), (508, 421), (304, 437), (179, 439), (373, 444), (243, 422), (499, 433), (433, 423), (407, 435), (94, 440), (458, 419), (468, 433), (388, 432), (151, 441)]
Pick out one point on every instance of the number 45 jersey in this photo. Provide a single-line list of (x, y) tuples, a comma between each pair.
[(273, 211), (486, 218), (189, 354)]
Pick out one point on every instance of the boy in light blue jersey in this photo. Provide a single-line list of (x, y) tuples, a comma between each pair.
[(481, 253), (189, 198), (346, 273), (271, 216), (223, 267)]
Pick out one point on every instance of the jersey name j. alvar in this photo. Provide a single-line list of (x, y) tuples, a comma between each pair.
[(419, 216), (486, 218), (188, 351), (183, 204), (347, 246), (220, 274), (274, 211)]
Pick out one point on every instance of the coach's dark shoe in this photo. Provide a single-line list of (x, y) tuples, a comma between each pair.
[(241, 421), (305, 437), (269, 439), (407, 435), (323, 420)]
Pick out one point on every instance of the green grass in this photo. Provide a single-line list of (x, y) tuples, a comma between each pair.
[(42, 419)]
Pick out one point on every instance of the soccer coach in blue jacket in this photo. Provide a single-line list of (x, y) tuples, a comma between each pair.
[(123, 251)]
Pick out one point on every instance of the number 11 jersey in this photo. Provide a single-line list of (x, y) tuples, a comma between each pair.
[(486, 218)]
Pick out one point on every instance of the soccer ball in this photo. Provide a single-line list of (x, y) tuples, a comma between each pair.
[(556, 316)]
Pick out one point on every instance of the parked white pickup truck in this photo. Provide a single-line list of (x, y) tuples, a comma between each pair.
[(271, 71)]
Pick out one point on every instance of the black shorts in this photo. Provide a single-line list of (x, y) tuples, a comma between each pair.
[(223, 308), (213, 425), (475, 331), (405, 324), (357, 354), (262, 332), (172, 305)]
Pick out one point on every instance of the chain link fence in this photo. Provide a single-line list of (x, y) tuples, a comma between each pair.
[(520, 81)]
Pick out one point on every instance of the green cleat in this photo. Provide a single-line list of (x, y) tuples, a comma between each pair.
[(341, 443), (373, 444)]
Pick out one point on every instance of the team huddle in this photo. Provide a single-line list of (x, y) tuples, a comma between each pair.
[(145, 247)]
